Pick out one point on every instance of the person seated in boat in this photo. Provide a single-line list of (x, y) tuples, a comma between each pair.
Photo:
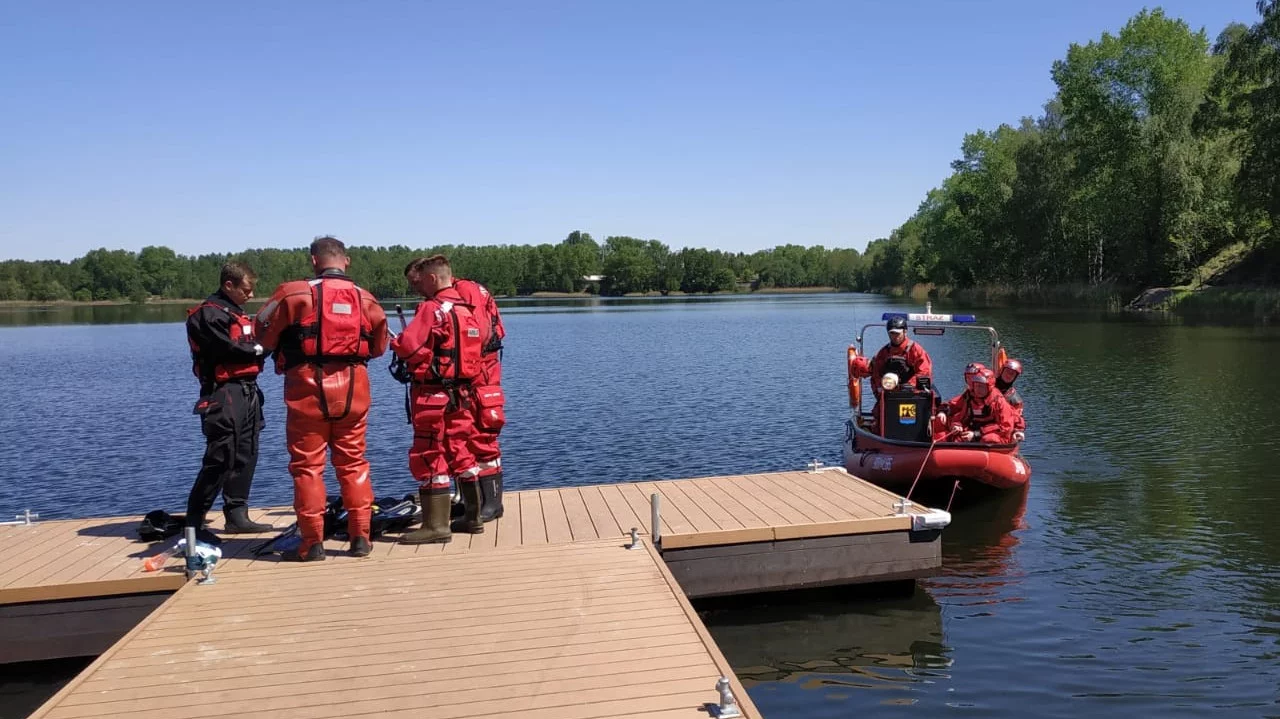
[(1009, 374), (939, 425), (980, 413)]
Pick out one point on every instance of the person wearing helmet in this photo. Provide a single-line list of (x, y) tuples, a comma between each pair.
[(1009, 374), (903, 357), (940, 427), (981, 413)]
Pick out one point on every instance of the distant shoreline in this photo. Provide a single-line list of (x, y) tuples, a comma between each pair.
[(35, 304)]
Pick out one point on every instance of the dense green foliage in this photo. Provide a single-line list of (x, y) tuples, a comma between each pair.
[(628, 265), (1158, 151)]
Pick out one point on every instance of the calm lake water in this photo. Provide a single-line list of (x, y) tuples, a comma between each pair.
[(1138, 576)]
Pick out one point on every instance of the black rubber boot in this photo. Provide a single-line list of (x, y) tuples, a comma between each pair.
[(491, 490), (314, 554), (435, 521), (238, 522), (470, 522), (360, 547)]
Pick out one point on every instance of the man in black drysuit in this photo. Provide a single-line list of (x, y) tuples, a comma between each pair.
[(227, 359)]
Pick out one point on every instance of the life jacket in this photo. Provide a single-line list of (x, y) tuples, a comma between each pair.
[(456, 356), (980, 414), (475, 295), (239, 328), (336, 327)]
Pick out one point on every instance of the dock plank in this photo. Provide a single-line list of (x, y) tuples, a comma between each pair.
[(602, 517), (508, 526), (723, 518), (533, 529), (788, 502), (555, 517), (674, 495), (623, 513), (581, 524)]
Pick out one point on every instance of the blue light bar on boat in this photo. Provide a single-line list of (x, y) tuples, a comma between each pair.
[(922, 317)]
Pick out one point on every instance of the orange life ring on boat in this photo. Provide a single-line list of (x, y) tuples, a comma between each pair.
[(855, 380), (1001, 358)]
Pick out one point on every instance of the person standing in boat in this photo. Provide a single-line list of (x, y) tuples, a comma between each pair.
[(980, 413), (487, 406), (323, 332), (442, 350), (901, 356), (1009, 374), (226, 359)]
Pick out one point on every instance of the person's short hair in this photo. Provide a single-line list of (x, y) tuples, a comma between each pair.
[(328, 247), (235, 273), (437, 264), (412, 268)]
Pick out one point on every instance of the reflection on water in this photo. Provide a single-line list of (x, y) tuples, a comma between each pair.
[(23, 316), (830, 646), (24, 687), (12, 315), (980, 554)]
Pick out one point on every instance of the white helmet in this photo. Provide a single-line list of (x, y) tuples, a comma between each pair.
[(889, 381)]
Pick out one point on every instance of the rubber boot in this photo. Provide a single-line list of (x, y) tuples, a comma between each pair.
[(360, 547), (314, 554), (491, 490), (470, 522), (238, 522), (435, 521)]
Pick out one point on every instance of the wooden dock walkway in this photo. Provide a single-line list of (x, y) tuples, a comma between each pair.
[(82, 558), (562, 631), (545, 614)]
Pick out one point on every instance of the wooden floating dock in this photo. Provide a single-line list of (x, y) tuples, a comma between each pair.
[(568, 631), (548, 597)]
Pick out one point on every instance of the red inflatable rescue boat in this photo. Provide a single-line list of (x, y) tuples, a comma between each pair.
[(902, 454)]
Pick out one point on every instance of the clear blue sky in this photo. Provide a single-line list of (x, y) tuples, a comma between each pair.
[(735, 125)]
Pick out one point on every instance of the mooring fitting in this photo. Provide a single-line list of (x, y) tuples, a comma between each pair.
[(728, 705)]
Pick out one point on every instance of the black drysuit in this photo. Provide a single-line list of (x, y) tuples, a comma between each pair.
[(231, 410)]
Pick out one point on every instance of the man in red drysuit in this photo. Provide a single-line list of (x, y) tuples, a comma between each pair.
[(901, 356), (1009, 374), (487, 407), (980, 413), (442, 350), (323, 332)]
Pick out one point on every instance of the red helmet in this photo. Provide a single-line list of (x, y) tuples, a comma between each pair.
[(972, 369), (1011, 370), (980, 382)]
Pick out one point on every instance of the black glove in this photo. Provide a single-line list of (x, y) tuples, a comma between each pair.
[(400, 371)]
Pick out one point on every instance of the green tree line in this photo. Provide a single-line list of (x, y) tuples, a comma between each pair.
[(1159, 151), (626, 263)]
